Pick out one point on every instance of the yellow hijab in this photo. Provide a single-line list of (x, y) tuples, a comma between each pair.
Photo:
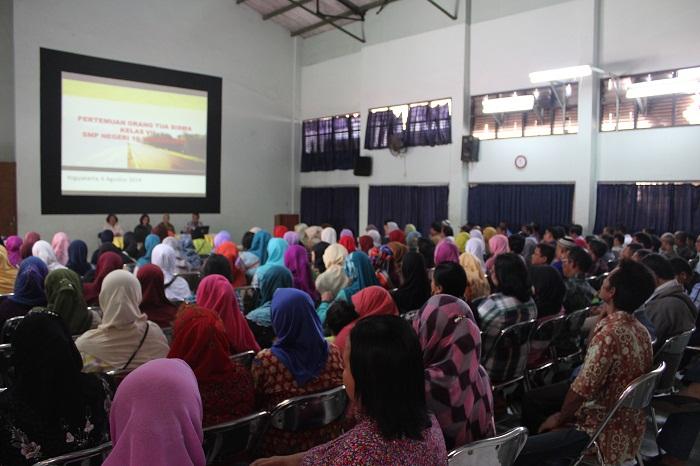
[(477, 284), (461, 240), (8, 274)]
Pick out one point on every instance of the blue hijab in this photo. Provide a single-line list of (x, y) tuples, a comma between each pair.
[(77, 257), (276, 248), (359, 269), (151, 242), (300, 345), (276, 276), (29, 285), (259, 246)]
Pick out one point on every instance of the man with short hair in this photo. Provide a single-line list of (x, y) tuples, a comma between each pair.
[(193, 224), (682, 246), (629, 250), (689, 279), (669, 309), (668, 243), (618, 244), (543, 254), (644, 239), (579, 294), (575, 231)]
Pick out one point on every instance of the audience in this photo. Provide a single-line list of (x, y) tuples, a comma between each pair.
[(446, 251), (477, 284), (543, 254), (333, 278), (176, 288), (59, 244), (64, 296), (371, 301), (107, 263), (449, 278), (296, 259), (13, 244), (339, 314), (28, 290), (8, 273), (415, 289), (579, 293), (77, 258), (154, 302), (688, 279), (44, 251), (216, 264), (683, 248), (30, 238), (260, 319), (360, 273), (276, 249), (151, 242), (598, 250), (498, 244), (328, 235)]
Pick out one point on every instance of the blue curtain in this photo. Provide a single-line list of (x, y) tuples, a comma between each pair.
[(517, 204), (330, 143), (380, 127), (428, 126), (419, 205), (660, 207), (336, 206)]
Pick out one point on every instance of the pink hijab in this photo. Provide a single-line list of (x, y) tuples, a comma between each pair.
[(216, 294), (59, 244), (161, 427), (498, 245), (446, 251)]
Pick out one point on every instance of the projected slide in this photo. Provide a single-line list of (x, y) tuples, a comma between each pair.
[(127, 138)]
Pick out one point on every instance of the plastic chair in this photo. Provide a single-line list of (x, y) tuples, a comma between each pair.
[(4, 296), (496, 451), (310, 411), (245, 358), (77, 457), (9, 328), (192, 279), (637, 395), (510, 338), (5, 364), (235, 437), (671, 352)]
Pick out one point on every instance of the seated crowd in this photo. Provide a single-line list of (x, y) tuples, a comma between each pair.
[(412, 326)]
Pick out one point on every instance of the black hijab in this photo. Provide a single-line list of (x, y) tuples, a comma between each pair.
[(77, 257), (319, 249), (131, 245), (549, 289), (415, 290)]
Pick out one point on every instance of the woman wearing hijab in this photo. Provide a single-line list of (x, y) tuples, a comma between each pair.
[(348, 242), (366, 243), (51, 408), (125, 339), (398, 251), (333, 279), (446, 251), (59, 244), (215, 293), (300, 230), (154, 302), (488, 233), (13, 244), (30, 238), (300, 362), (8, 273), (328, 235), (457, 388), (107, 263), (64, 296), (376, 237), (409, 228), (477, 285), (279, 231), (194, 262), (220, 237), (412, 240), (259, 248), (475, 247), (313, 235), (176, 288), (77, 257), (28, 290), (44, 251), (415, 290), (260, 319), (180, 263), (230, 252), (151, 242), (296, 259), (498, 244), (157, 427), (397, 236), (275, 257), (291, 237), (461, 240), (131, 247), (372, 301), (360, 272), (317, 253), (226, 387), (107, 245), (386, 270)]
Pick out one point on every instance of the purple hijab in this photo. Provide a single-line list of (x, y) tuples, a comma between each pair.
[(222, 237), (12, 244), (291, 237), (160, 427), (346, 232), (446, 251), (296, 259)]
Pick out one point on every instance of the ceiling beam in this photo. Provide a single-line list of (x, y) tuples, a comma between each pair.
[(363, 9), (323, 22), (238, 2), (283, 10), (351, 6)]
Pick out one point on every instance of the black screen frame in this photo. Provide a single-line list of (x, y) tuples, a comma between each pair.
[(53, 63)]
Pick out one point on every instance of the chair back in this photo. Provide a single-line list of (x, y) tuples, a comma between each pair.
[(5, 364), (234, 437), (77, 458), (569, 340), (9, 328), (96, 309), (550, 329), (248, 298), (495, 451), (245, 358), (671, 353), (310, 411), (597, 281), (512, 344), (192, 279), (4, 296)]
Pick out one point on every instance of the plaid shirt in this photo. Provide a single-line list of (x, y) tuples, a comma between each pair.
[(579, 294), (498, 312)]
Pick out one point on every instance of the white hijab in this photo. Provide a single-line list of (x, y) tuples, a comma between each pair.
[(475, 247), (165, 257), (376, 237), (329, 235), (123, 326), (44, 251)]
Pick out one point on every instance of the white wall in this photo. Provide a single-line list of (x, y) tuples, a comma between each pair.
[(7, 131), (256, 60)]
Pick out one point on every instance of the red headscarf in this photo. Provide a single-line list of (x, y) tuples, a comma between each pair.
[(366, 243), (229, 250), (154, 303), (30, 238), (398, 235), (279, 231), (216, 293), (348, 242), (370, 301), (108, 262), (200, 340)]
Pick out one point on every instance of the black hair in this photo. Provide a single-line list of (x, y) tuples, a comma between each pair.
[(681, 237), (437, 226), (580, 258), (576, 229), (557, 231), (608, 240), (339, 314), (642, 253), (644, 239), (633, 283), (516, 243), (110, 216), (195, 213), (512, 276), (386, 362), (247, 240), (620, 237), (447, 230), (549, 289), (680, 266), (427, 249), (452, 278), (546, 250), (467, 227), (634, 247), (655, 243), (660, 266), (598, 247), (216, 264), (144, 216), (106, 236)]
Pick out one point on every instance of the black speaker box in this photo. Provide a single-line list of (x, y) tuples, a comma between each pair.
[(470, 149), (363, 166)]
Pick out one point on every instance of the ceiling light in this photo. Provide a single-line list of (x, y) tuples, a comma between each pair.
[(519, 103), (689, 73), (662, 87), (562, 74)]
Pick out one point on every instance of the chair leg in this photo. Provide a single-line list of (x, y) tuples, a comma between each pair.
[(656, 428), (640, 461)]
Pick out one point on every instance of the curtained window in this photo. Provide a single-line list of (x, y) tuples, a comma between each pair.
[(336, 206), (419, 205), (518, 204), (418, 124), (331, 143), (661, 207)]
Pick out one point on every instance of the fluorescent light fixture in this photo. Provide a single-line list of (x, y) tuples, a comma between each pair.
[(518, 103), (662, 87), (689, 73), (561, 74)]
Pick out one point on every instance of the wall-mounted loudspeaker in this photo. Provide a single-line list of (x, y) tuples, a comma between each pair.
[(470, 149), (363, 166)]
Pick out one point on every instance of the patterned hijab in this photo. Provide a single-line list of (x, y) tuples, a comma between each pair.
[(154, 303), (457, 387), (477, 284), (13, 244), (60, 243), (77, 257), (108, 262), (296, 259), (299, 345), (65, 297), (29, 285), (372, 301), (359, 270)]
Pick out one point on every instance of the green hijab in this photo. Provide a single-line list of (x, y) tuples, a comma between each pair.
[(64, 294)]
